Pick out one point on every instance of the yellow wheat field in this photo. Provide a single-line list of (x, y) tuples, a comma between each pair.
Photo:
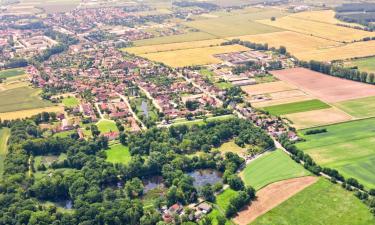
[(29, 112), (173, 46), (193, 56)]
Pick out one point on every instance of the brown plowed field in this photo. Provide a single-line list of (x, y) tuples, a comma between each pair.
[(327, 88), (271, 196)]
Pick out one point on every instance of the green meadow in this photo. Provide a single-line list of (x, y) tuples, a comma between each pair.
[(296, 107), (70, 101), (118, 153), (347, 147), (359, 108), (106, 126), (321, 203), (364, 64), (271, 167), (11, 73)]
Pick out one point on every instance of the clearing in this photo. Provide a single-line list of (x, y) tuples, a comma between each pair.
[(70, 101), (325, 87), (359, 108), (188, 57), (117, 153), (4, 135), (271, 167), (296, 107), (106, 126), (271, 196), (347, 147), (321, 203)]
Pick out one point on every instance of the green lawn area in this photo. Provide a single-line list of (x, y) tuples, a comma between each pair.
[(265, 79), (296, 107), (364, 64), (106, 126), (360, 108), (321, 203), (70, 101), (271, 167), (221, 203), (347, 147), (21, 98), (118, 153), (11, 73), (4, 134), (223, 85)]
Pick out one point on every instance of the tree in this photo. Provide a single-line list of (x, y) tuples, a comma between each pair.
[(123, 138), (134, 188), (235, 182), (220, 220), (95, 131), (208, 193)]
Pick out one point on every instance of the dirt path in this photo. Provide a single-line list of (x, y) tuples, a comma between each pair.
[(271, 196)]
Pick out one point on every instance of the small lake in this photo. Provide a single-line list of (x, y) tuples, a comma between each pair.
[(203, 177), (152, 183)]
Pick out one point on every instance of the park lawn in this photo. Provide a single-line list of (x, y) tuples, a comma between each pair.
[(4, 135), (296, 107), (271, 167), (319, 204), (118, 153), (364, 64), (347, 147), (21, 98), (359, 108), (11, 73), (106, 126), (70, 101), (230, 146)]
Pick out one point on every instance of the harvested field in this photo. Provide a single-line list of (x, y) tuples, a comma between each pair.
[(318, 118), (318, 29), (266, 88), (327, 88), (173, 46), (188, 37), (272, 102), (271, 196), (29, 112), (188, 57)]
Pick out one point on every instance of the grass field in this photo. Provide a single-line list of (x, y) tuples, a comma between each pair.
[(187, 37), (118, 153), (21, 98), (296, 107), (106, 126), (70, 101), (364, 64), (319, 204), (11, 73), (188, 57), (359, 108), (229, 26), (271, 167), (29, 112), (231, 147), (223, 199), (347, 147), (4, 134)]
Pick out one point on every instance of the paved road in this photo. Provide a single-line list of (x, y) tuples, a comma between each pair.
[(131, 111)]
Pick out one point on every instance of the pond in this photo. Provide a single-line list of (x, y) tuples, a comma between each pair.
[(153, 183), (203, 177)]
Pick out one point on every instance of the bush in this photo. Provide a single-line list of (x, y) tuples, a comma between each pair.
[(316, 131)]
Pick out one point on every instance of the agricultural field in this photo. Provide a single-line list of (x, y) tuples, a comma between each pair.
[(117, 153), (363, 64), (188, 57), (296, 107), (70, 101), (347, 147), (187, 37), (11, 73), (320, 203), (106, 126), (318, 117), (271, 167), (358, 108), (266, 88), (29, 112), (317, 28), (271, 196), (4, 134), (21, 98), (324, 87)]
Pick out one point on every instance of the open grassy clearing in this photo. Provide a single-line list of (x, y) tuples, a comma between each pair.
[(117, 153), (187, 37), (188, 57), (20, 99), (359, 108), (70, 101), (321, 203), (347, 147), (363, 64), (229, 26), (4, 135), (296, 107), (318, 29), (231, 147), (223, 199), (271, 167), (11, 73), (106, 126)]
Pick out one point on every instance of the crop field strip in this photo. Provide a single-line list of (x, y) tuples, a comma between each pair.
[(358, 108), (347, 147), (296, 107)]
